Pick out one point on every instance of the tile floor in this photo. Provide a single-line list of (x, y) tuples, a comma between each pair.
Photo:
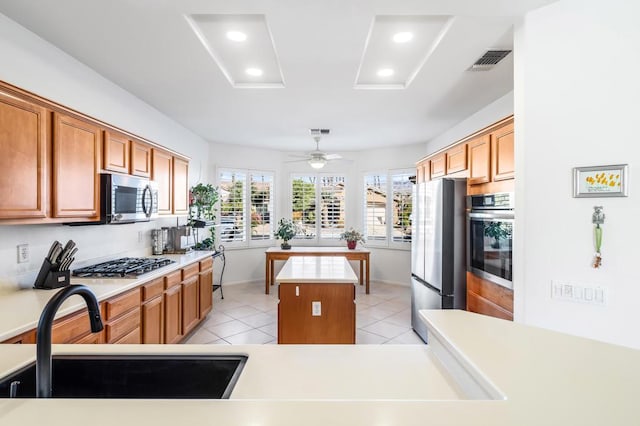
[(248, 316)]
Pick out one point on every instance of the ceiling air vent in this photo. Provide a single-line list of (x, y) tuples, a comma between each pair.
[(489, 60), (319, 132)]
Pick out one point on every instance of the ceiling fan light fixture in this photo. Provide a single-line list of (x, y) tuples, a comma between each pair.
[(317, 163)]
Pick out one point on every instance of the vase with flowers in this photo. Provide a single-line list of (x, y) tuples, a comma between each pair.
[(352, 236)]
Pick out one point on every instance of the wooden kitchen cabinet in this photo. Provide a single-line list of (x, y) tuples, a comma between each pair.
[(24, 338), (438, 165), (74, 328), (116, 152), (456, 159), (122, 317), (24, 138), (190, 305), (480, 160), (205, 282), (153, 320), (502, 153), (162, 174), (152, 311), (76, 168), (172, 308), (487, 298), (140, 159), (180, 186)]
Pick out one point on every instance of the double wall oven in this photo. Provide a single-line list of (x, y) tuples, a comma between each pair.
[(490, 219)]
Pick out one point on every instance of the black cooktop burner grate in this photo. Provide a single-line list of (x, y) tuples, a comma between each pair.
[(124, 267)]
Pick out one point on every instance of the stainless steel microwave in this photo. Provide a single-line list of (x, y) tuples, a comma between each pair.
[(127, 199)]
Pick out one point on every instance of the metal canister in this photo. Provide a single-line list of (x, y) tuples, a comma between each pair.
[(156, 241)]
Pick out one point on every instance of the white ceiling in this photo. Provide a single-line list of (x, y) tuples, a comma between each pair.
[(148, 48)]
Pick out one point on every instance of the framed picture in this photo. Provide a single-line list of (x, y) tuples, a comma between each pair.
[(600, 181)]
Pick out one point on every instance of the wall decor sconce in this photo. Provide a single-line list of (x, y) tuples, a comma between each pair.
[(597, 219)]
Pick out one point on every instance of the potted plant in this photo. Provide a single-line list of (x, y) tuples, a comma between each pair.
[(497, 231), (352, 236), (286, 231), (203, 200)]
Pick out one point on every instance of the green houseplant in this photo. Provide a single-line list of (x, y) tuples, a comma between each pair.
[(497, 231), (352, 236), (202, 202), (286, 231)]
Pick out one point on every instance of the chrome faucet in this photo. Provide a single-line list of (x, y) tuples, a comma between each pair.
[(43, 338)]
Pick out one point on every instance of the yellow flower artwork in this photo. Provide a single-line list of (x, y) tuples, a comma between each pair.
[(600, 181)]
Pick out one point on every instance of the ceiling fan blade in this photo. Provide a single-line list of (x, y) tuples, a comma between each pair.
[(298, 155), (297, 161), (333, 156)]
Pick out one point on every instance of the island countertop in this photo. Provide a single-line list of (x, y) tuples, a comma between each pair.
[(547, 378), (317, 269)]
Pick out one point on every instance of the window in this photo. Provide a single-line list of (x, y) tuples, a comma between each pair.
[(261, 206), (387, 208), (401, 188), (318, 206), (246, 197), (375, 209), (232, 206)]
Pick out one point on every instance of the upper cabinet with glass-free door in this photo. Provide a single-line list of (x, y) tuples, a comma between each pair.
[(24, 139)]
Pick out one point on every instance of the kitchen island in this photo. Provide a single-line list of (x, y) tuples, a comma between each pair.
[(541, 378), (317, 301)]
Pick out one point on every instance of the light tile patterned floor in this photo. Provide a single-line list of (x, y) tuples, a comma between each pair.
[(248, 316)]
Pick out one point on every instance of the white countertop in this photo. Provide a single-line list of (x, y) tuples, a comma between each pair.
[(317, 269), (547, 378), (20, 309)]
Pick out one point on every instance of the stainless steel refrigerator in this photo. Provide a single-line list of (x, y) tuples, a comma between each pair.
[(438, 272)]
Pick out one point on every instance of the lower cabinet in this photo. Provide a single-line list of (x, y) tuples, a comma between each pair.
[(485, 297), (121, 317), (190, 306), (173, 314), (206, 287), (74, 328), (163, 310)]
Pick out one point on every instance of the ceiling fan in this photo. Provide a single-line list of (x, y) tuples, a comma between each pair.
[(317, 159)]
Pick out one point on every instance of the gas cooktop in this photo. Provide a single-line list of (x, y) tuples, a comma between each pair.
[(124, 267)]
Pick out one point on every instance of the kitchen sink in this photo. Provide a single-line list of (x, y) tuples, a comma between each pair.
[(133, 376)]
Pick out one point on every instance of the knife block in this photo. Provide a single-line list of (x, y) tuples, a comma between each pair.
[(49, 278)]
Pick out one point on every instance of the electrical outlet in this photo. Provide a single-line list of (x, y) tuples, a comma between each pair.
[(23, 253), (316, 309)]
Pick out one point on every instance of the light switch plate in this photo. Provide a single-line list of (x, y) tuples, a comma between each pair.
[(592, 294), (316, 308)]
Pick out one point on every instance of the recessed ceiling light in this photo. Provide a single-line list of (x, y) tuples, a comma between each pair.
[(236, 36), (254, 72), (403, 37), (385, 72)]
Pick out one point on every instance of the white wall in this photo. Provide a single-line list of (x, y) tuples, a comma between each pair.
[(246, 265), (35, 65), (576, 104)]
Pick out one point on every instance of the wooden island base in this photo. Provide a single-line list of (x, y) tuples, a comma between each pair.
[(317, 301)]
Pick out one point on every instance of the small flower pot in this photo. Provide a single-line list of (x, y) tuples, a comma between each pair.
[(285, 246), (351, 245)]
